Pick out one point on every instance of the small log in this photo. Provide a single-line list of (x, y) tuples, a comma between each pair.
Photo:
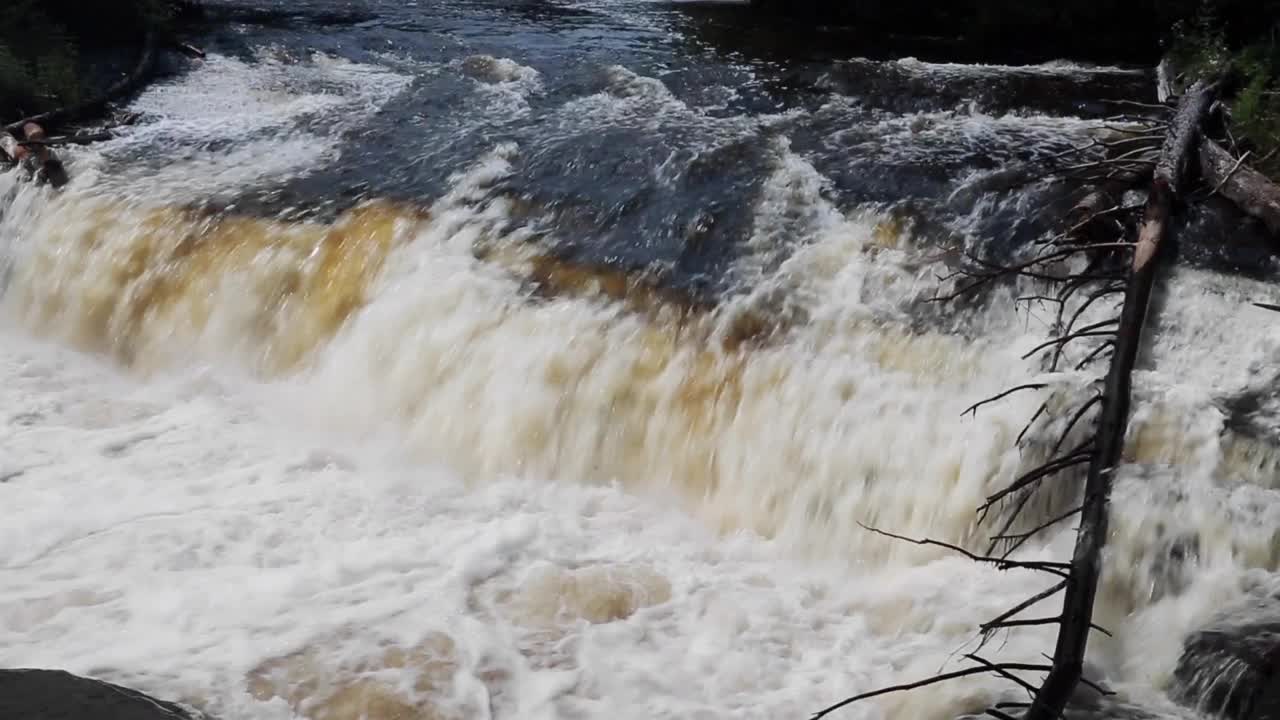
[(33, 153), (78, 139), (1249, 189), (189, 50), (1113, 419)]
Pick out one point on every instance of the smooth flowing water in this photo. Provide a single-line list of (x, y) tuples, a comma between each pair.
[(546, 360)]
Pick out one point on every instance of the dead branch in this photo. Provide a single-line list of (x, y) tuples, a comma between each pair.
[(1052, 467), (1044, 407), (1071, 424), (1133, 103), (1060, 341), (1024, 605), (974, 407), (1054, 568), (79, 139), (994, 271), (1017, 540), (967, 672), (1097, 352), (1096, 295), (1002, 672), (189, 50)]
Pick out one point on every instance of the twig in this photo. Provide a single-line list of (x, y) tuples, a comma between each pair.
[(1044, 595), (900, 688), (1068, 338), (1043, 407), (82, 139), (1079, 414), (1055, 568), (974, 408), (1050, 468), (1109, 344), (1134, 103), (925, 683), (1002, 672), (1230, 174)]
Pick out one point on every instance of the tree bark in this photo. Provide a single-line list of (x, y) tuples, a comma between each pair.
[(1086, 561), (1249, 189)]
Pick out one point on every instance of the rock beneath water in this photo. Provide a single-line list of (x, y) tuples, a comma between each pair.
[(58, 695), (1232, 667)]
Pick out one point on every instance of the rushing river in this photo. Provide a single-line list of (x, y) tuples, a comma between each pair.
[(520, 359)]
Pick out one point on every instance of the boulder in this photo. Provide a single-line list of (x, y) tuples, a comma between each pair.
[(58, 695), (1231, 668)]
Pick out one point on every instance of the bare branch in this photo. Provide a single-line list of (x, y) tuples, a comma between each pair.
[(967, 672), (1133, 103), (974, 408), (1045, 595), (1020, 539), (1043, 408), (1109, 344), (1059, 341), (901, 688), (1080, 413), (1050, 468), (1055, 568)]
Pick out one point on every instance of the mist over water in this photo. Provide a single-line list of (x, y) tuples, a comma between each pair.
[(520, 360)]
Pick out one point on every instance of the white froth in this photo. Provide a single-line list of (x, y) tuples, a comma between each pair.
[(486, 504), (176, 535), (232, 124)]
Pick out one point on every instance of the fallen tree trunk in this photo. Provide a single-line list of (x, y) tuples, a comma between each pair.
[(78, 139), (1086, 561), (1249, 189)]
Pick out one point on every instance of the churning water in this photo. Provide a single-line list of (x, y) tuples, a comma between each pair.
[(531, 360)]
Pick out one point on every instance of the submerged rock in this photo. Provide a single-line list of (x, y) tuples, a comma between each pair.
[(58, 695), (1231, 668)]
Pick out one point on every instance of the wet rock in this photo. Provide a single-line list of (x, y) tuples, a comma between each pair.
[(1231, 668), (58, 695)]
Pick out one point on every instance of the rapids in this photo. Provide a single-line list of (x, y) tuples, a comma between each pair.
[(544, 360)]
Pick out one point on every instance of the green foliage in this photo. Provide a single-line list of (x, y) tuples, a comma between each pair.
[(41, 44), (1200, 44), (1247, 56)]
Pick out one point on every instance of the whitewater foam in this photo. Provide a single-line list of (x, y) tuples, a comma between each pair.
[(388, 466)]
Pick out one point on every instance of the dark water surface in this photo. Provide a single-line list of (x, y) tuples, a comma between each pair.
[(645, 130)]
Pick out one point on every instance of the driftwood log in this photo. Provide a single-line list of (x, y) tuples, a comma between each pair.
[(1247, 188), (1165, 158), (1113, 421)]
